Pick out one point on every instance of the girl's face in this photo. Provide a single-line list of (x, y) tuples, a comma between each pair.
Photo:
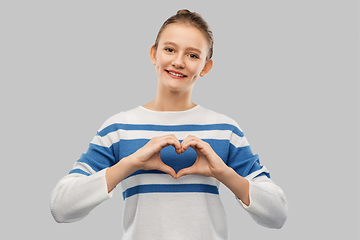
[(180, 57)]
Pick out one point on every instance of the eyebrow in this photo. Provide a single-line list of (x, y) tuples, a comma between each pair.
[(189, 48)]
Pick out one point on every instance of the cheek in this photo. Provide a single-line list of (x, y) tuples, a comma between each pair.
[(195, 69), (159, 65), (162, 59)]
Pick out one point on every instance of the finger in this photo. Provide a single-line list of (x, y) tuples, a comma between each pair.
[(176, 144), (168, 140), (193, 142), (186, 171), (172, 140), (185, 142)]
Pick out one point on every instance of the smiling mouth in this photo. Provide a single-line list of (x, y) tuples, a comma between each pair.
[(175, 74)]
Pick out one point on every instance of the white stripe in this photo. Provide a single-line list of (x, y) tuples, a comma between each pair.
[(238, 141), (140, 115), (254, 174), (83, 166), (149, 178), (114, 137)]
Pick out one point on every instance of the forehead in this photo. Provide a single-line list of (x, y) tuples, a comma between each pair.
[(184, 35)]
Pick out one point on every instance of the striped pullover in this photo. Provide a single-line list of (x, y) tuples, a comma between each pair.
[(158, 206)]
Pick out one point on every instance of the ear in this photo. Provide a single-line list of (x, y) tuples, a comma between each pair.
[(153, 54), (207, 67)]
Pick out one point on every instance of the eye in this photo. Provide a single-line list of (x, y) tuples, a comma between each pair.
[(170, 50), (192, 55)]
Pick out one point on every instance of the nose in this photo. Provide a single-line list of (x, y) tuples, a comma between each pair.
[(178, 61)]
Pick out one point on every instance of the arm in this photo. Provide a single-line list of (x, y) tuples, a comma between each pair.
[(78, 193), (268, 205), (261, 198)]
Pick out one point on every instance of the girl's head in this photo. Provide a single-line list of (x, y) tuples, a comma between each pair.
[(193, 19), (182, 51)]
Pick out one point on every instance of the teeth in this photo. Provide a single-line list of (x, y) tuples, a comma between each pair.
[(176, 74)]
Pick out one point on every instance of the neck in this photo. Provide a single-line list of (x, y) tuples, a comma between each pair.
[(171, 101)]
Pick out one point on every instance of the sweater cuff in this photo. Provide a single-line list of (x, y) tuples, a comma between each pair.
[(76, 195), (268, 205), (102, 175)]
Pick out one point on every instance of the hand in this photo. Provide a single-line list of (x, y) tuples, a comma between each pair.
[(207, 163), (148, 157)]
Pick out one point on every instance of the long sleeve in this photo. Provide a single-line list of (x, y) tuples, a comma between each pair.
[(268, 205), (85, 187), (76, 195)]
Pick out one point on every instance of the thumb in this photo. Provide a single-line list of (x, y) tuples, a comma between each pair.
[(166, 169), (186, 171)]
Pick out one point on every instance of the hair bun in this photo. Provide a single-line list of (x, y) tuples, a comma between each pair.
[(183, 11)]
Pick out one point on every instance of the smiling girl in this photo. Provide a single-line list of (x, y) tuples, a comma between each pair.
[(170, 155)]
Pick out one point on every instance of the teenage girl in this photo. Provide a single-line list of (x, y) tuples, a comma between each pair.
[(170, 155)]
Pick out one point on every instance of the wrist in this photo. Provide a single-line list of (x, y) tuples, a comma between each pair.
[(132, 163), (223, 173), (237, 184), (118, 172)]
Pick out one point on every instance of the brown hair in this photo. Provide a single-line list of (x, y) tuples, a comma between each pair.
[(191, 18)]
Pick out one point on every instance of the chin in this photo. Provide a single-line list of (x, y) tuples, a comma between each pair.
[(176, 88)]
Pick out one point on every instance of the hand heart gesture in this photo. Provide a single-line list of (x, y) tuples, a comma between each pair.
[(148, 157), (207, 163)]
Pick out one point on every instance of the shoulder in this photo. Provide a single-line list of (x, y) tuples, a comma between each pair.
[(217, 117), (122, 117)]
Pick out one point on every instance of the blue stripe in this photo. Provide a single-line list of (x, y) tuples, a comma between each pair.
[(145, 172), (169, 128), (263, 174), (170, 188), (98, 157), (79, 171)]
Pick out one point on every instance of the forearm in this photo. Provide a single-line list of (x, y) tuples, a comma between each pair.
[(236, 183), (261, 198), (118, 172), (76, 195), (268, 204)]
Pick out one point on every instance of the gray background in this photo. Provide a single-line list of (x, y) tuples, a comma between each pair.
[(286, 71)]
